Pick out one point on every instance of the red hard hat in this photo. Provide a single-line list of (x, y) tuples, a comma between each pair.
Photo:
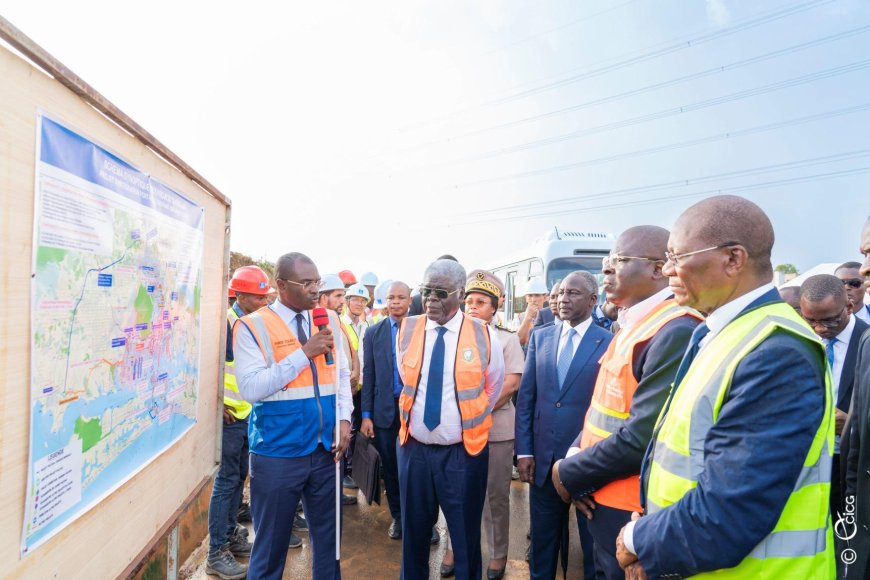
[(231, 293), (347, 277), (250, 280)]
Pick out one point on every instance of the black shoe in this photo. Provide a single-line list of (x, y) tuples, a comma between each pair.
[(300, 523), (395, 531), (348, 499), (240, 547), (244, 515), (528, 552), (295, 541), (495, 574), (447, 570), (349, 483), (436, 537)]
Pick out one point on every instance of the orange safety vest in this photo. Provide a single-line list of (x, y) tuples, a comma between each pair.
[(270, 432), (472, 358), (614, 391)]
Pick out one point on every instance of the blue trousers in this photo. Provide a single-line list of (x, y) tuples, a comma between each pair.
[(226, 495), (445, 475), (549, 515), (276, 486), (385, 443), (604, 527)]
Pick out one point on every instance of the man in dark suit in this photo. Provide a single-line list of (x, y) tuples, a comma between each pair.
[(556, 388), (826, 307), (736, 477), (857, 497), (601, 470), (380, 394)]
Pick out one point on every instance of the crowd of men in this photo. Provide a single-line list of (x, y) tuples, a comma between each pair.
[(699, 422)]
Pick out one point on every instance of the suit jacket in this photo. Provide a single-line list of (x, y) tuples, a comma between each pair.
[(858, 464), (654, 365), (377, 392), (753, 455), (847, 377), (548, 418)]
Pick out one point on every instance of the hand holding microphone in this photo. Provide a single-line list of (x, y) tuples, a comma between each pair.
[(324, 339)]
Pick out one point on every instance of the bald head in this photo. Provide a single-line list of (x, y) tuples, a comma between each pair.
[(399, 287), (644, 241), (729, 218)]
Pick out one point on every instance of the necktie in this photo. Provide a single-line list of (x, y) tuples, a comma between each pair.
[(565, 358), (829, 352), (300, 329), (694, 345), (435, 382)]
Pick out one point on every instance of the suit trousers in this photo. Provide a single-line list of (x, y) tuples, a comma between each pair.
[(605, 527), (549, 517), (276, 486), (445, 475), (385, 443), (497, 507)]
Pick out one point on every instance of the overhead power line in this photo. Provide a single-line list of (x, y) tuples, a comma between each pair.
[(673, 111), (646, 54), (673, 146), (669, 198), (668, 83), (582, 198)]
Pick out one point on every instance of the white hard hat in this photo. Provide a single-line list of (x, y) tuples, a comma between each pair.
[(359, 291), (332, 282), (536, 285), (381, 291), (368, 279)]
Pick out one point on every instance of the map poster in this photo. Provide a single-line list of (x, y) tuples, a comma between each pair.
[(115, 326)]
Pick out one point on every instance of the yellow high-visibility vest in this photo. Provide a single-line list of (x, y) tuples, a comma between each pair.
[(801, 545), (239, 408)]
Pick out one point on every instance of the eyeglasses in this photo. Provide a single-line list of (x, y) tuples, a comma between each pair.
[(307, 285), (439, 293), (615, 260), (831, 322), (675, 258), (853, 283)]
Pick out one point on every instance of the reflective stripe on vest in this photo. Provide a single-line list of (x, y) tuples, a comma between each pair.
[(238, 407), (614, 392), (472, 358), (801, 543), (277, 341)]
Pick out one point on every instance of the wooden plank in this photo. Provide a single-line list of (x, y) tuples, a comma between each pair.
[(103, 542), (90, 95)]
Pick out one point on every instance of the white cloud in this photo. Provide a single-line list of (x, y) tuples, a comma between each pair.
[(718, 12)]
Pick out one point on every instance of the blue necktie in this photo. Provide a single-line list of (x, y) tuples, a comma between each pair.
[(435, 383), (300, 330), (565, 358), (829, 352), (694, 345)]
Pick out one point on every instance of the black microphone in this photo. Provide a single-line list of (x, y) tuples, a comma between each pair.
[(321, 321)]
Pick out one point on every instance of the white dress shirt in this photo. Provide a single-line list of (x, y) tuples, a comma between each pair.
[(716, 322), (449, 430), (864, 313), (257, 381), (629, 317), (840, 349)]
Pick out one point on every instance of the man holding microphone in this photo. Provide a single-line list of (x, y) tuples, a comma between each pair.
[(283, 370)]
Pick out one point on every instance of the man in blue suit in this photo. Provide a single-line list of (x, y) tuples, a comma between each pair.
[(751, 393), (556, 389), (380, 394)]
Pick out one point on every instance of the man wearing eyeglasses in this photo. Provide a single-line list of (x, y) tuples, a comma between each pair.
[(825, 306), (297, 397), (849, 274), (601, 471), (736, 480), (555, 391), (452, 370)]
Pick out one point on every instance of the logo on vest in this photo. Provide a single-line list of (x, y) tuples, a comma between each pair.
[(467, 355)]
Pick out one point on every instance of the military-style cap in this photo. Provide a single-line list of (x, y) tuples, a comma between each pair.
[(485, 282)]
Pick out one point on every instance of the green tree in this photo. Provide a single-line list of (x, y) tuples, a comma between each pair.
[(786, 269)]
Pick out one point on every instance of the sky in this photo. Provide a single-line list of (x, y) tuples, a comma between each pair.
[(376, 136)]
